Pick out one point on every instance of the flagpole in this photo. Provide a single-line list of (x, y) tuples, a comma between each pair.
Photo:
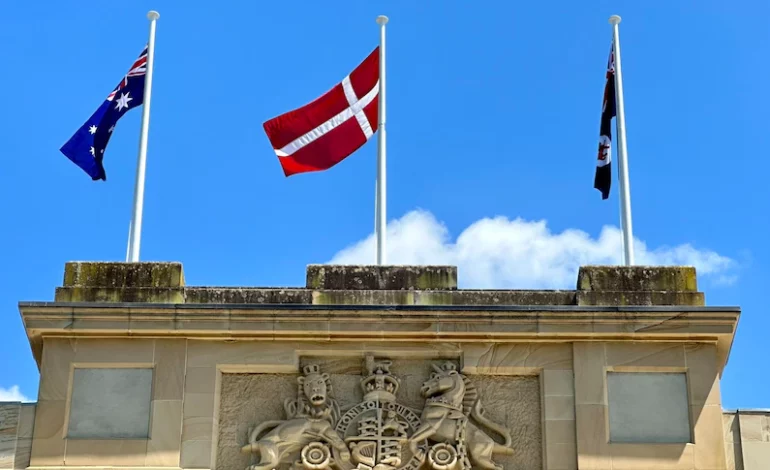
[(128, 247), (135, 237), (380, 224), (376, 221), (625, 186)]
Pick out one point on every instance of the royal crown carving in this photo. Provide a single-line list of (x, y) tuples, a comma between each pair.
[(451, 431)]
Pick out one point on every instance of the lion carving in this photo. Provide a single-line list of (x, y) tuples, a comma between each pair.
[(310, 418)]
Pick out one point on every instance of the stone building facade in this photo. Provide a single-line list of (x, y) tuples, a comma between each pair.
[(379, 368)]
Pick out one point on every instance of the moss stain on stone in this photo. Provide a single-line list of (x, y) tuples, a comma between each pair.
[(115, 275), (314, 277), (331, 297), (116, 295), (377, 285), (637, 278), (432, 279), (434, 298)]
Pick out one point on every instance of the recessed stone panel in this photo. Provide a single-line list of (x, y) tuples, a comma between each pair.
[(110, 403), (648, 407), (512, 403)]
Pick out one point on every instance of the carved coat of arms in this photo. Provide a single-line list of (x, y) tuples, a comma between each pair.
[(449, 433)]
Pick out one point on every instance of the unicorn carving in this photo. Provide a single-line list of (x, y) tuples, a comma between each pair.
[(453, 414)]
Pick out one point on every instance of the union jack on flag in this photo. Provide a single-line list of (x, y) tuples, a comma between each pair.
[(139, 69), (86, 147)]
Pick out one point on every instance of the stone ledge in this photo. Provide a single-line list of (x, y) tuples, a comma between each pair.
[(637, 278), (443, 297), (341, 277), (648, 298), (300, 296), (120, 294), (120, 275), (247, 295)]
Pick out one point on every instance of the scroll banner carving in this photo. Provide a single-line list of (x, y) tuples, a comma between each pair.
[(449, 433)]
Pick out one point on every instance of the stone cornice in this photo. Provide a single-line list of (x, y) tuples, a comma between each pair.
[(325, 307), (424, 323)]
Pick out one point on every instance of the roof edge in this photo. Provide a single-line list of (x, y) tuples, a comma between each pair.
[(412, 307)]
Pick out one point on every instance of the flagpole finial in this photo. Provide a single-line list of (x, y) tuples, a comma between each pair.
[(614, 19), (153, 15), (382, 19)]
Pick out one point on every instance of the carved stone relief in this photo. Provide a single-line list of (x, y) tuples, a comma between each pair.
[(449, 430), (308, 428)]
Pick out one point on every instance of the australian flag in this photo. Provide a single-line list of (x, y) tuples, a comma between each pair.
[(603, 178), (86, 148)]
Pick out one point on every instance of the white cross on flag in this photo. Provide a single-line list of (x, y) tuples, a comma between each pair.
[(322, 133)]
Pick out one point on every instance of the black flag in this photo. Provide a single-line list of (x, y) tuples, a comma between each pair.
[(603, 178)]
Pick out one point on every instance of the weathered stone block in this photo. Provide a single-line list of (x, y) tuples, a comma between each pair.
[(363, 297), (119, 275), (644, 298), (513, 297), (130, 294), (339, 277), (246, 295), (441, 297), (637, 278)]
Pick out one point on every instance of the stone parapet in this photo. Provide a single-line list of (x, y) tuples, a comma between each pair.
[(247, 295), (121, 294), (466, 297), (340, 277), (646, 298), (637, 278), (638, 285), (122, 282), (123, 275), (163, 283)]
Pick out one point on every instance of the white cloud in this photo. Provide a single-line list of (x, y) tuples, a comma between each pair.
[(12, 394), (502, 253)]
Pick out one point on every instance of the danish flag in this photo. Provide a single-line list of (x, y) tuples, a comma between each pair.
[(324, 132)]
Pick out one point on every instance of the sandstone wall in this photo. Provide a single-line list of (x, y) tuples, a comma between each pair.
[(747, 439), (16, 423)]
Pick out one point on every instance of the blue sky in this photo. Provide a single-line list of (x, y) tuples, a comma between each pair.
[(493, 119)]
